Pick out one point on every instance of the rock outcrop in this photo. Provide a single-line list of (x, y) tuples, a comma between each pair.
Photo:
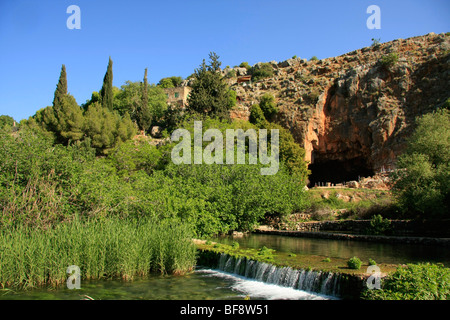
[(353, 113)]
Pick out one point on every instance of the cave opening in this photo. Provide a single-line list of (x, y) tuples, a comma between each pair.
[(338, 171)]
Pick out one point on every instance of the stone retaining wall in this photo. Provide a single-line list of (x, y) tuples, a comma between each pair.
[(359, 237), (398, 227)]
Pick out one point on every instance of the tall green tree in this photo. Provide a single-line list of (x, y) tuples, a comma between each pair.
[(106, 93), (65, 118), (210, 94), (422, 183), (61, 88), (143, 112)]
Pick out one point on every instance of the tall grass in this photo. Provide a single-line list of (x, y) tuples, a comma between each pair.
[(31, 257)]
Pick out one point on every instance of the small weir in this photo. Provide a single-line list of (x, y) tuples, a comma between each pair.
[(321, 282)]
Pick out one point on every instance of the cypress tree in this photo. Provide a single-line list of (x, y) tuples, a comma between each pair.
[(143, 113), (61, 88), (106, 93)]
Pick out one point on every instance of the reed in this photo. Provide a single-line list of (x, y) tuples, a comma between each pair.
[(31, 257)]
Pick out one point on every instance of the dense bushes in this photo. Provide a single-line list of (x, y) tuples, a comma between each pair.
[(43, 184), (414, 282), (422, 183)]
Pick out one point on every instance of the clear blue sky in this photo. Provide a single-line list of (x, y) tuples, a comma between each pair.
[(172, 37)]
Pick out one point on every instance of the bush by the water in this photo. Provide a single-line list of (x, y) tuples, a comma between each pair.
[(354, 263), (414, 282)]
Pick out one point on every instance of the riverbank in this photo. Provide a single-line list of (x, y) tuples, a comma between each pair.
[(356, 237)]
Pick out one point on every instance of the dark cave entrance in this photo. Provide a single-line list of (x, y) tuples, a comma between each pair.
[(338, 171)]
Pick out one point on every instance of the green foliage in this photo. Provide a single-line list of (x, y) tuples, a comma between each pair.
[(372, 262), (231, 74), (291, 154), (326, 260), (379, 226), (170, 82), (130, 98), (257, 116), (314, 58), (6, 121), (132, 156), (235, 245), (265, 254), (106, 93), (261, 71), (245, 65), (143, 112), (61, 88), (69, 120), (232, 98), (111, 248), (106, 129), (388, 61), (422, 183), (354, 263), (268, 106), (210, 94), (414, 282)]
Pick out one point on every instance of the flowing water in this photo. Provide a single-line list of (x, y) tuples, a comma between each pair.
[(345, 249), (203, 284), (236, 279)]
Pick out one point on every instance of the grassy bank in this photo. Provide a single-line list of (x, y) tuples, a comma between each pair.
[(32, 257)]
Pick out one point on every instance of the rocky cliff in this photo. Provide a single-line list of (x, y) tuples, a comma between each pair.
[(353, 113)]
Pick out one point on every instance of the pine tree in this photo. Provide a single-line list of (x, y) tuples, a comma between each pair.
[(106, 93), (61, 88), (144, 117), (210, 93)]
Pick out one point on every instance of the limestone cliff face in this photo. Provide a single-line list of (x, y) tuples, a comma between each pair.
[(353, 109)]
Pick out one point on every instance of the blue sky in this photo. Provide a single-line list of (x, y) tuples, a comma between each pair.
[(172, 37)]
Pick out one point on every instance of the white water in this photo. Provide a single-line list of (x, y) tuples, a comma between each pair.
[(314, 282), (261, 290)]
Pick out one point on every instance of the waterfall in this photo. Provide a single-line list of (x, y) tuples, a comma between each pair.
[(326, 283)]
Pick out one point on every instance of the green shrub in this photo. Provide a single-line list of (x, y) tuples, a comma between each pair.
[(414, 282), (326, 260), (372, 262), (257, 115), (421, 185), (268, 106), (388, 61), (379, 226), (245, 65), (354, 263), (235, 245), (261, 71), (314, 58)]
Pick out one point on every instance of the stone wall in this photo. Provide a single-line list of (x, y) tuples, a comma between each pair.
[(398, 227)]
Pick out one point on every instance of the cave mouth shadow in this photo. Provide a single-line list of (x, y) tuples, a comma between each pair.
[(338, 171)]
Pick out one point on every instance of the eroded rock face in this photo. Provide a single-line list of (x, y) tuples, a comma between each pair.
[(354, 110)]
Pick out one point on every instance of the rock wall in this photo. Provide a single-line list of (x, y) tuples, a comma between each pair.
[(353, 112)]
